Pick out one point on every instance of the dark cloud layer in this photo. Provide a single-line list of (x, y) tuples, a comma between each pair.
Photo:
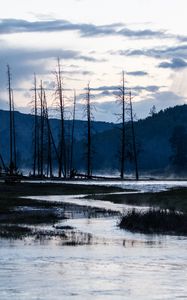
[(175, 63), (137, 73), (9, 26), (24, 62), (167, 52), (26, 54), (113, 88)]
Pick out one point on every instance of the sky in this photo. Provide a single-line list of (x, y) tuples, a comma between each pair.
[(96, 41)]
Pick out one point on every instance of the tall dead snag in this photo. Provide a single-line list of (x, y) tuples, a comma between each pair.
[(133, 137), (12, 160), (2, 164), (49, 139), (41, 146), (36, 133), (14, 132), (10, 117), (72, 137), (121, 99), (88, 117), (62, 169)]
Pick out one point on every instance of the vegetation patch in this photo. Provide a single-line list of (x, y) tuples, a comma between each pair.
[(173, 199), (15, 231), (31, 217), (155, 221)]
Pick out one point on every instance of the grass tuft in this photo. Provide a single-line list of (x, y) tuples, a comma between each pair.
[(155, 221)]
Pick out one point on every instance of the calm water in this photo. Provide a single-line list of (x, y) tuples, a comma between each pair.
[(142, 185), (120, 265)]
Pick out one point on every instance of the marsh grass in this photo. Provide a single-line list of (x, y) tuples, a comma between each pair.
[(14, 231), (155, 221), (69, 238)]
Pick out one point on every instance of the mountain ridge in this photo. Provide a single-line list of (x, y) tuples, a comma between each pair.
[(152, 134)]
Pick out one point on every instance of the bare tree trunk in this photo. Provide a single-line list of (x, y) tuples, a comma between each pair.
[(122, 96), (62, 145), (11, 164), (36, 146), (14, 133), (41, 130), (3, 164), (49, 153), (88, 112), (133, 139), (72, 133)]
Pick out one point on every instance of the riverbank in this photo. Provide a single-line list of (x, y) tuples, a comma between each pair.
[(167, 214), (173, 199), (21, 217)]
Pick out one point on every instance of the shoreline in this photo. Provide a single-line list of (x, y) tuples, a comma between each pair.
[(18, 213)]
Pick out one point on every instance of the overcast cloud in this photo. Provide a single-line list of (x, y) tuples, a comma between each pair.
[(94, 46)]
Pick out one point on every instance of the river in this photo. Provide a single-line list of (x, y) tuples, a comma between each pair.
[(117, 265)]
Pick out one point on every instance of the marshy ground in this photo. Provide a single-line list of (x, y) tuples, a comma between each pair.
[(167, 215), (173, 199), (21, 217)]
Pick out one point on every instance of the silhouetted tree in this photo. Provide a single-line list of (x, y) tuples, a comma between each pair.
[(12, 161), (72, 136), (36, 133), (133, 138), (153, 111), (89, 140), (121, 100), (41, 97), (62, 144)]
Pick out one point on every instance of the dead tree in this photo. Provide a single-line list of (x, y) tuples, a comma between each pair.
[(89, 141), (133, 137), (121, 100), (11, 128), (49, 140), (3, 166), (72, 134), (62, 169), (14, 133), (36, 133), (41, 152)]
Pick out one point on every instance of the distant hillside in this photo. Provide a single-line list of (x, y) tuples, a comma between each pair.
[(24, 124), (152, 134)]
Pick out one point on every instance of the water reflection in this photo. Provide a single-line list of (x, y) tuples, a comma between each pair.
[(51, 271)]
